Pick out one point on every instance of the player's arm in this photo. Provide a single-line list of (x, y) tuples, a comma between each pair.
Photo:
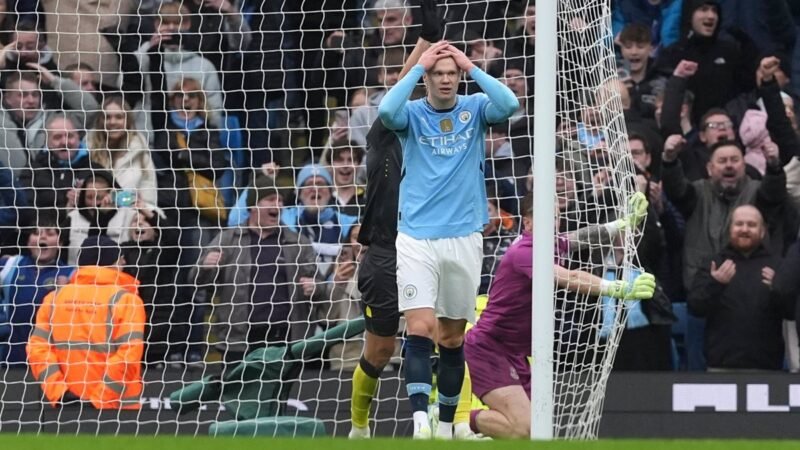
[(604, 234), (502, 101), (582, 282), (393, 109)]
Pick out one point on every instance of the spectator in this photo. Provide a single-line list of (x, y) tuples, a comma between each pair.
[(724, 68), (520, 125), (8, 20), (14, 211), (315, 218), (744, 315), (190, 158), (29, 46), (167, 62), (346, 301), (27, 278), (115, 145), (271, 80), (708, 204), (59, 167), (348, 195), (151, 256), (190, 148), (350, 54), (388, 73), (222, 33), (675, 104), (266, 279), (661, 246), (93, 22), (715, 127), (84, 76), (501, 168), (483, 53), (23, 117), (497, 238), (523, 42), (99, 297), (96, 212), (643, 81), (83, 104), (771, 80), (768, 24), (663, 17)]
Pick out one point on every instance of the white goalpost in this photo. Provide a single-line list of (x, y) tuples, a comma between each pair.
[(544, 183), (575, 337)]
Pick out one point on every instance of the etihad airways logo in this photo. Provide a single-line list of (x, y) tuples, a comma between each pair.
[(447, 139)]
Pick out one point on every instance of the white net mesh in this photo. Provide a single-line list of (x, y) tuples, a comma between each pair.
[(147, 122), (595, 179)]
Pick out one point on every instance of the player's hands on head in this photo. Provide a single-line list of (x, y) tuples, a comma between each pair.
[(432, 21), (462, 60), (434, 53)]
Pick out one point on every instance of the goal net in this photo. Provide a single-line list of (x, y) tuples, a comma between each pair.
[(220, 144), (594, 182)]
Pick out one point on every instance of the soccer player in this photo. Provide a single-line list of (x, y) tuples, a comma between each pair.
[(441, 214), (377, 279), (498, 346)]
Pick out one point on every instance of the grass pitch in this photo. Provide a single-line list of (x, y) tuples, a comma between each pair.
[(50, 442)]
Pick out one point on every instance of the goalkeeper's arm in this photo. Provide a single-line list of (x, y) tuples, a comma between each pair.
[(594, 235), (642, 287)]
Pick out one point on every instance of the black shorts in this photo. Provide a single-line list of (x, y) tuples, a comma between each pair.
[(377, 281)]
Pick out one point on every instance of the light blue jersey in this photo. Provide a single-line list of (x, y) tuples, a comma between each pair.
[(443, 189)]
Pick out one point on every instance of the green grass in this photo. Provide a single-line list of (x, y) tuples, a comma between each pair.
[(50, 442)]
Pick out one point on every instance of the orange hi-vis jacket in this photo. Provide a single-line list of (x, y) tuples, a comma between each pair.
[(88, 339)]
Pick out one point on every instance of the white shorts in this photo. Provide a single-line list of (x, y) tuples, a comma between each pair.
[(442, 274)]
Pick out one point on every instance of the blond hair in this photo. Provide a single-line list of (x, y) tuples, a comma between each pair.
[(100, 149)]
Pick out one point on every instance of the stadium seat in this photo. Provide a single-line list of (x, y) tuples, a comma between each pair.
[(679, 336)]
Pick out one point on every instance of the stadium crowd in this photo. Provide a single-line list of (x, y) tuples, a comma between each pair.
[(221, 144)]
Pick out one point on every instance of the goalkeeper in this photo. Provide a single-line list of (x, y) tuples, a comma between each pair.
[(498, 346), (377, 274)]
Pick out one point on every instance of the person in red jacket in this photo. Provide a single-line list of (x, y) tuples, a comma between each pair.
[(87, 343)]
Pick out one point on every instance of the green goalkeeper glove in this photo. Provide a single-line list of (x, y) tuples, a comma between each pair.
[(637, 211), (643, 287)]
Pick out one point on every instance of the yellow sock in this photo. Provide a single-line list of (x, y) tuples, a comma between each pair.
[(364, 387), (464, 400)]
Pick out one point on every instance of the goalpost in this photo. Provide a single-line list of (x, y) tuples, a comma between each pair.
[(575, 337), (287, 82)]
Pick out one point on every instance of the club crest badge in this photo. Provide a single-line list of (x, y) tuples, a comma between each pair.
[(464, 116), (410, 291)]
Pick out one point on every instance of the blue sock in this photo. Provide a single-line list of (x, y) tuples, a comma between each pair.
[(449, 381), (418, 371)]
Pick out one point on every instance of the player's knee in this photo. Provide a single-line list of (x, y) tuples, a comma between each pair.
[(451, 341), (420, 325), (380, 353)]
